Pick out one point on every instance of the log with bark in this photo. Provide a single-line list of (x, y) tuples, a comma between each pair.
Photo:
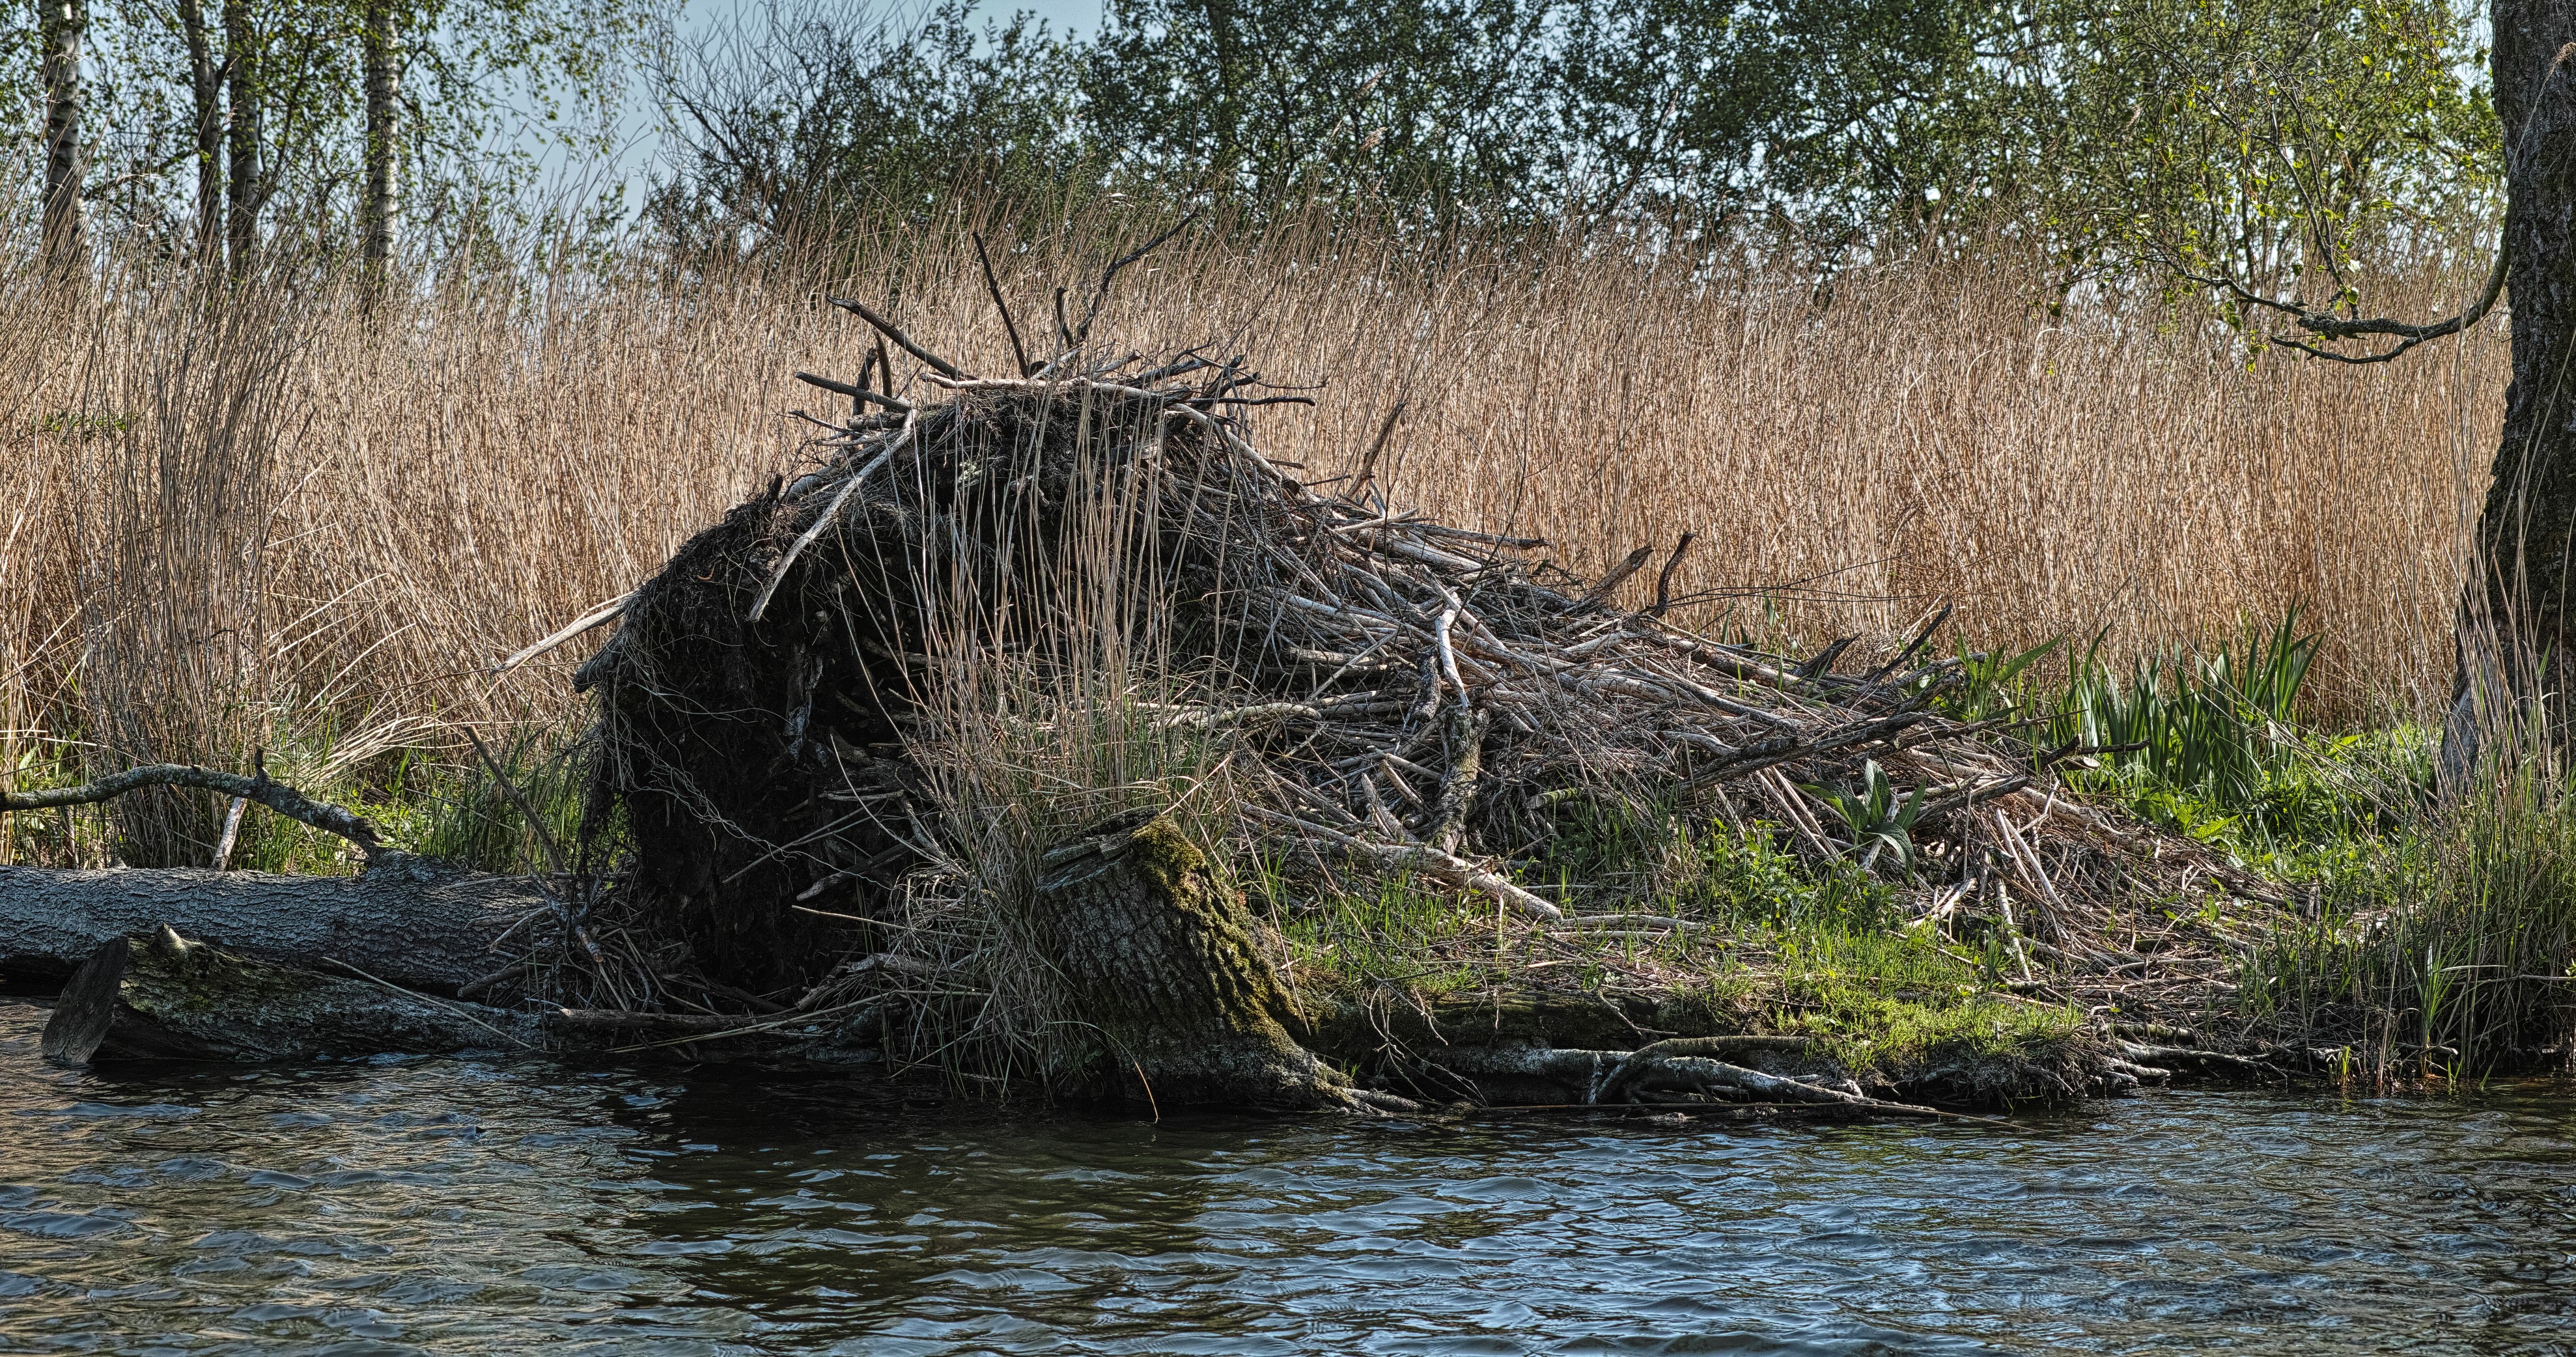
[(414, 921), (162, 996)]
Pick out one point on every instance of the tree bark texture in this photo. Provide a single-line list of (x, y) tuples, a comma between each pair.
[(157, 995), (1162, 960), (2517, 591), (161, 997), (62, 26), (376, 204), (206, 105), (407, 920)]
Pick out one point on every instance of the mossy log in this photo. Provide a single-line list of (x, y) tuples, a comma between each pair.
[(1163, 962), (162, 997), (159, 996), (410, 920)]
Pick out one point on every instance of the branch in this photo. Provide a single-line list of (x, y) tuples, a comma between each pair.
[(994, 286), (887, 328), (2327, 325), (856, 393), (277, 796)]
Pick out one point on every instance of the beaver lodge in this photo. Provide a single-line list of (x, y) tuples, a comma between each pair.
[(1044, 738)]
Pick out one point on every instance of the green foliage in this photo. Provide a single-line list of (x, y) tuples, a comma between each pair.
[(1993, 684), (461, 812), (2460, 942), (1436, 105), (1876, 818), (2219, 723), (805, 120), (2285, 144), (2280, 143), (1885, 1001), (486, 88)]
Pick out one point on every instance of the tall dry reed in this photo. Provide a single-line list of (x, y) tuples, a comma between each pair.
[(283, 521)]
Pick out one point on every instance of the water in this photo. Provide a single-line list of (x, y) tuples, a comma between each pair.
[(456, 1206)]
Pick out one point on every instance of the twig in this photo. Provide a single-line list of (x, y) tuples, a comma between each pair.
[(1018, 353), (598, 616), (1664, 581), (232, 831)]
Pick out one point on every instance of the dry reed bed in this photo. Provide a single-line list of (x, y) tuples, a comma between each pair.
[(288, 522)]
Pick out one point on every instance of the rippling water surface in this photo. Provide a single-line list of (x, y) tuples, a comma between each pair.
[(457, 1206)]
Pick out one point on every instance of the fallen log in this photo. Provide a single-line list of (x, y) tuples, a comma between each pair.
[(413, 921), (162, 997)]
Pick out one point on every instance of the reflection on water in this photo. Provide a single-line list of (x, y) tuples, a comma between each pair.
[(456, 1206)]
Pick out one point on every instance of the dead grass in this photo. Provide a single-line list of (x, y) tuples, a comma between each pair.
[(285, 523)]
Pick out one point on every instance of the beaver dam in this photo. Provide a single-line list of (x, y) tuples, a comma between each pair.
[(1045, 739)]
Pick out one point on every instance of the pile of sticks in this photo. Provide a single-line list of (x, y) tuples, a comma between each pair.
[(1427, 697)]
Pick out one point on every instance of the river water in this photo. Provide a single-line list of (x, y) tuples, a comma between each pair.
[(402, 1206)]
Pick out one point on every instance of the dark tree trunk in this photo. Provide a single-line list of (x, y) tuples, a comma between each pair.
[(407, 920), (242, 94), (376, 202), (61, 27), (206, 105), (2514, 608)]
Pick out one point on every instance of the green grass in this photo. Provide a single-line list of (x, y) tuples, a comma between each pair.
[(2444, 935), (435, 801)]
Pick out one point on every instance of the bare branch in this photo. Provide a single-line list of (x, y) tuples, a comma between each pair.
[(887, 328), (277, 796)]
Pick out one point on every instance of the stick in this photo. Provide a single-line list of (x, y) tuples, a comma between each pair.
[(1368, 463), (597, 616), (1018, 353), (1092, 312), (1456, 871), (277, 796), (1664, 581), (545, 840), (830, 512), (1600, 593), (857, 394), (232, 831), (887, 328)]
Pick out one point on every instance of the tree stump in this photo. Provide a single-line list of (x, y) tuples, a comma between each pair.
[(1162, 960)]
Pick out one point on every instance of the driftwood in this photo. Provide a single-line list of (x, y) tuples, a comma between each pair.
[(410, 920), (259, 787)]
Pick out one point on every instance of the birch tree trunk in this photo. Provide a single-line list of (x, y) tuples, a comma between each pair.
[(242, 94)]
